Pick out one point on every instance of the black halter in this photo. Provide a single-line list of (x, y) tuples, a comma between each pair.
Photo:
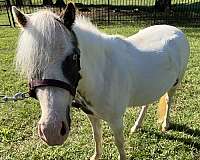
[(70, 68), (33, 84)]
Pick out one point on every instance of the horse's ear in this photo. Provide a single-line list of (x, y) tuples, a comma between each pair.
[(69, 15), (21, 18)]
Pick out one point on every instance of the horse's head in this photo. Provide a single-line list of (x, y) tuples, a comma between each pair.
[(48, 56)]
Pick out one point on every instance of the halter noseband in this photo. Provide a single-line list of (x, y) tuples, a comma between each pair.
[(49, 82)]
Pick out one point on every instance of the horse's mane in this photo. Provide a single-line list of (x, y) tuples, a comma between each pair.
[(34, 50), (37, 41), (85, 24)]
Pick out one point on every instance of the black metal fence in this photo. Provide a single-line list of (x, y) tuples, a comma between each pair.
[(175, 12), (5, 16)]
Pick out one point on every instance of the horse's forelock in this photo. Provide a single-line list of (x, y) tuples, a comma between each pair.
[(36, 43)]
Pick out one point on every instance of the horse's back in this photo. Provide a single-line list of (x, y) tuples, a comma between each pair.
[(161, 60), (163, 39), (155, 37)]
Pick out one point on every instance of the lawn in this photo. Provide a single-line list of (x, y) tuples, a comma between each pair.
[(4, 18), (18, 134)]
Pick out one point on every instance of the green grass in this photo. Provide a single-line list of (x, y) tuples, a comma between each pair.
[(18, 134), (4, 18)]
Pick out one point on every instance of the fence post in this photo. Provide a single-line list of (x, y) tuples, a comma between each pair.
[(10, 9), (108, 12), (7, 10), (154, 18)]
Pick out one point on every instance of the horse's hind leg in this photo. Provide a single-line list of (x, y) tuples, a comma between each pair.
[(164, 107), (97, 133), (140, 118)]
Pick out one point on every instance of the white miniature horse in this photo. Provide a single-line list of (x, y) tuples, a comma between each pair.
[(116, 72)]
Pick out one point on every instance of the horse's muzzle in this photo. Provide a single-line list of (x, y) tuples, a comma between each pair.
[(54, 133)]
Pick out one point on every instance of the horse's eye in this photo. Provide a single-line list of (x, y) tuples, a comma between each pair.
[(75, 57)]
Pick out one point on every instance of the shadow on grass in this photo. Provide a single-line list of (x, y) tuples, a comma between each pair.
[(180, 128), (185, 129)]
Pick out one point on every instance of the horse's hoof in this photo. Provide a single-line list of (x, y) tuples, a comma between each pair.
[(95, 157), (122, 157), (134, 129), (165, 127)]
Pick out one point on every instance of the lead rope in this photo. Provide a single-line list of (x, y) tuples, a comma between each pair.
[(17, 97), (79, 102)]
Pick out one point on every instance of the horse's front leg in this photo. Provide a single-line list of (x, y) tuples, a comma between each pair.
[(117, 128), (97, 134)]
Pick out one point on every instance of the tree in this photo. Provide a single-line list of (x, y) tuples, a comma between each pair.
[(19, 3), (60, 3), (163, 5), (47, 2)]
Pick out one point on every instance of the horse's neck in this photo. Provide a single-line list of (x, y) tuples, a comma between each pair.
[(92, 47), (99, 75)]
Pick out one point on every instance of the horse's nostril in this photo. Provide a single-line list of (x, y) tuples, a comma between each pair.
[(63, 129)]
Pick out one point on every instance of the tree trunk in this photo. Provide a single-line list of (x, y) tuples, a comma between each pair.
[(19, 3), (163, 5), (47, 2), (60, 3)]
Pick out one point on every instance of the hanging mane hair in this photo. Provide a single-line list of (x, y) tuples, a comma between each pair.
[(37, 42)]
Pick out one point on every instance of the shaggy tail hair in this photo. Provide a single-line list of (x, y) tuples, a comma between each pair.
[(162, 107)]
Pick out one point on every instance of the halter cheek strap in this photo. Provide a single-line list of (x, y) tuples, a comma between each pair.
[(49, 82), (70, 67)]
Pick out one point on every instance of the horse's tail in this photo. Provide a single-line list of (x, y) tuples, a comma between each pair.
[(162, 108), (166, 99)]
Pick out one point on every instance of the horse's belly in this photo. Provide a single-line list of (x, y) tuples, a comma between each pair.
[(154, 80), (151, 93)]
